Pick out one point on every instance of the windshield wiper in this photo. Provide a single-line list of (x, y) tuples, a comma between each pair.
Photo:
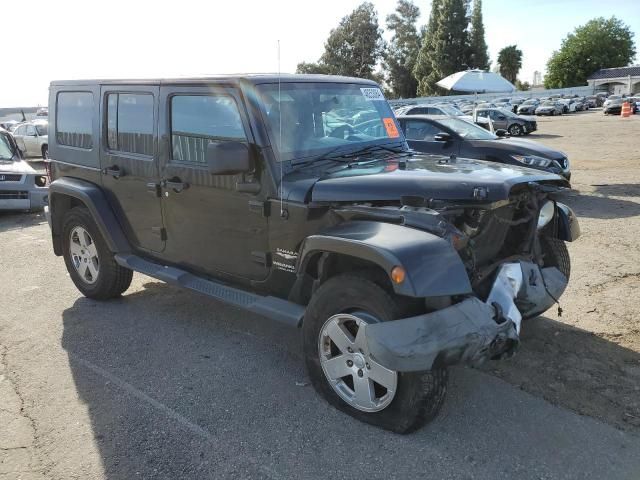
[(346, 156)]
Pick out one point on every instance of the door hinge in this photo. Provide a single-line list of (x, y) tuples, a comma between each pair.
[(263, 258), (160, 231), (260, 207)]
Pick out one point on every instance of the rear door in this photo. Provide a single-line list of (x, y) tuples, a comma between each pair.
[(129, 162)]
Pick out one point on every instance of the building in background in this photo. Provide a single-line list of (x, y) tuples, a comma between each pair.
[(619, 81)]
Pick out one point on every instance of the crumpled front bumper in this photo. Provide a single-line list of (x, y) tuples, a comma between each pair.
[(470, 331)]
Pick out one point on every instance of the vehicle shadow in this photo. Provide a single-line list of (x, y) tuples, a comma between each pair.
[(618, 189), (179, 386), (19, 220), (600, 205), (534, 136)]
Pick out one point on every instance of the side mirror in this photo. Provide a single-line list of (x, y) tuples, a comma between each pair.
[(501, 132), (442, 137), (228, 158)]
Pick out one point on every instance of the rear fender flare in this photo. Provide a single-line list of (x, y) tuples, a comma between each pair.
[(91, 196), (432, 265)]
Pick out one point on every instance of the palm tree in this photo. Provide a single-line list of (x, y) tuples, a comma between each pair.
[(510, 61)]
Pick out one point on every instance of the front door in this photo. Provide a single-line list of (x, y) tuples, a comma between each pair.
[(214, 225), (420, 135), (129, 162)]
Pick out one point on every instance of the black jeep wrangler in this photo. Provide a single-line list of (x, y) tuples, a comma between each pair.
[(297, 198)]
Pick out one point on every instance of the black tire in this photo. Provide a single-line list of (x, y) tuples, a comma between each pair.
[(45, 152), (419, 395), (112, 279), (555, 254), (515, 130)]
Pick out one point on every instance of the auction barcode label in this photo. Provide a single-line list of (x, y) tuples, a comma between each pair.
[(372, 93)]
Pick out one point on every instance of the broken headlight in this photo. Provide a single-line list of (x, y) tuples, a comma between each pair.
[(532, 160), (546, 214)]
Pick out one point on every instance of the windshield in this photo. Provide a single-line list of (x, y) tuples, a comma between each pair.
[(6, 153), (467, 130), (507, 113), (450, 110), (314, 118), (529, 102), (42, 129), (548, 104)]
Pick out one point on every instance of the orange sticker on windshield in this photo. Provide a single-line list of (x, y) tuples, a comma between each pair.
[(390, 127)]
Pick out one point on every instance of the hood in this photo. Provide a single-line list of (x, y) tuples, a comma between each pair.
[(527, 118), (427, 176), (517, 146), (20, 166), (545, 107)]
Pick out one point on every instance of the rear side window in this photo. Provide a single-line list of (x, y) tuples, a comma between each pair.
[(197, 120), (74, 119), (130, 123)]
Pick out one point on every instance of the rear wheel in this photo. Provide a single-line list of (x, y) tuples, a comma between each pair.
[(341, 369), (45, 152), (89, 261)]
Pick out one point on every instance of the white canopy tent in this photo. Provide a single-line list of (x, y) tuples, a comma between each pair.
[(477, 81)]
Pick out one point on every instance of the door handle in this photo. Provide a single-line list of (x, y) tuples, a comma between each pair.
[(175, 184), (114, 171)]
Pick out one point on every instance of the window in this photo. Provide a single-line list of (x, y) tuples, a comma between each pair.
[(130, 123), (74, 119), (20, 130), (197, 120), (419, 130), (31, 131)]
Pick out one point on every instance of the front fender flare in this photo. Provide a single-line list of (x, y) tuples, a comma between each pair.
[(432, 265), (568, 227), (94, 199)]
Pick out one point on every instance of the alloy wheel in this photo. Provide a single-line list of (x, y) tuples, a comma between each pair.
[(359, 380), (84, 255)]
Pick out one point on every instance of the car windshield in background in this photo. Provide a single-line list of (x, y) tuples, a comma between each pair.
[(42, 129), (548, 104), (308, 119), (5, 149), (529, 102), (507, 113), (467, 130), (449, 110)]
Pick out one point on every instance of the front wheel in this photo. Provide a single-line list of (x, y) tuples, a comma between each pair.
[(89, 261), (342, 371), (515, 130)]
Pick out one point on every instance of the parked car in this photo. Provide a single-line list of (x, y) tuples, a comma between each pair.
[(615, 106), (448, 136), (567, 105), (33, 138), (550, 107), (240, 191), (612, 98), (448, 110), (21, 187), (594, 101), (528, 107), (42, 112), (501, 118)]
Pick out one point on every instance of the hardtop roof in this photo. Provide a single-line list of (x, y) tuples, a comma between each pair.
[(255, 78)]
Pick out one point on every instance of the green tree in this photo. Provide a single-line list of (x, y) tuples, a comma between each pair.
[(522, 86), (478, 52), (600, 43), (510, 61), (353, 48), (400, 57), (445, 47)]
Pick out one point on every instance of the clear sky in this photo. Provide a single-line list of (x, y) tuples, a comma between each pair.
[(68, 39)]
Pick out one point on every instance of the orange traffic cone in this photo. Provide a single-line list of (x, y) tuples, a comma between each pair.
[(626, 109)]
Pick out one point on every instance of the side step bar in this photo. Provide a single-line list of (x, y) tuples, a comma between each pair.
[(271, 307)]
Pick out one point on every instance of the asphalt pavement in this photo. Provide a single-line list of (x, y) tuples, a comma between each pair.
[(164, 383)]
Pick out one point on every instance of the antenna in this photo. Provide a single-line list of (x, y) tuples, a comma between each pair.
[(280, 135)]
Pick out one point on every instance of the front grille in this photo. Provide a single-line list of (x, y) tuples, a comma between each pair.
[(14, 195), (10, 177)]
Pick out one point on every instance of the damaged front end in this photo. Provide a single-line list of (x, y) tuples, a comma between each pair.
[(511, 275), (470, 331)]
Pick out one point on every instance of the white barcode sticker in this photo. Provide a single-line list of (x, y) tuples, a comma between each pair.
[(372, 94)]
